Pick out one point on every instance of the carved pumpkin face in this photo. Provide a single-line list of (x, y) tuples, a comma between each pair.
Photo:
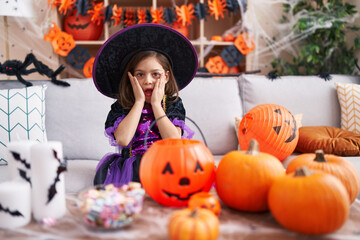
[(172, 170), (81, 27), (273, 126)]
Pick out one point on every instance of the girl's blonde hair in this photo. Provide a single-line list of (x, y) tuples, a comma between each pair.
[(126, 95)]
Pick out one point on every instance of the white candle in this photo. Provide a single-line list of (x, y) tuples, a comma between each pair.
[(19, 162), (15, 204), (47, 176)]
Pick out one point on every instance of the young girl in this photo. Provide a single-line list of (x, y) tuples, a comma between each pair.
[(154, 62)]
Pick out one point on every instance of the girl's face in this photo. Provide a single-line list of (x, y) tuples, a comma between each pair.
[(147, 72)]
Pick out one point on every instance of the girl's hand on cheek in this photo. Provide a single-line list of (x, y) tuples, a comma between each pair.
[(138, 92), (158, 91)]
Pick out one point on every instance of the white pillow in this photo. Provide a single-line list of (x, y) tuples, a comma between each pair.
[(22, 116)]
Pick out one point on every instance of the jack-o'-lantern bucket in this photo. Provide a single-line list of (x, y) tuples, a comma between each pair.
[(172, 170)]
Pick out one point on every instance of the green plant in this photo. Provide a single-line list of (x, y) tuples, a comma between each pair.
[(324, 49)]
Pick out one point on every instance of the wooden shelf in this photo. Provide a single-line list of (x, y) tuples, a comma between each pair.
[(199, 31)]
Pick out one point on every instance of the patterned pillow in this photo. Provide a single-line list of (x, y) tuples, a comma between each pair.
[(349, 99), (22, 116)]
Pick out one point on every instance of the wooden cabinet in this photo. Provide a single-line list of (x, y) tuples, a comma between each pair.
[(200, 31)]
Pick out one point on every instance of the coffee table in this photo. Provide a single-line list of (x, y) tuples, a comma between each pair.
[(153, 224)]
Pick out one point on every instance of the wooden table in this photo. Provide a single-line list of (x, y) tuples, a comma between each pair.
[(153, 221)]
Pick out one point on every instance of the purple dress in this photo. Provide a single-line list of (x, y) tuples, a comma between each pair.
[(123, 167)]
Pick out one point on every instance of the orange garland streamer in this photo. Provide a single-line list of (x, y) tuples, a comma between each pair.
[(217, 8), (157, 15), (141, 15), (130, 18), (97, 15), (54, 3), (66, 5), (116, 14), (185, 14)]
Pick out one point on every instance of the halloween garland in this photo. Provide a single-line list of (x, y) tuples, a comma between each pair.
[(78, 57)]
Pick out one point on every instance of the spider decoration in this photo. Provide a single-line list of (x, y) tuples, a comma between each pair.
[(18, 68)]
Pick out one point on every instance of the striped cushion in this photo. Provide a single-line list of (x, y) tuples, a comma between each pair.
[(22, 116), (349, 99)]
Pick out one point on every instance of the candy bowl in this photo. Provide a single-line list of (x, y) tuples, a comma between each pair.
[(108, 207)]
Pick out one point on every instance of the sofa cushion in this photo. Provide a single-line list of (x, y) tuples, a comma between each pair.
[(312, 96), (22, 116), (76, 116), (330, 139), (213, 104), (349, 99)]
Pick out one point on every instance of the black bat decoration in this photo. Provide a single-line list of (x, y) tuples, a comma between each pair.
[(19, 159), (24, 176), (15, 213), (62, 168)]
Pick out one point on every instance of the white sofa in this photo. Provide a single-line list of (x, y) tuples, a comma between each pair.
[(75, 115)]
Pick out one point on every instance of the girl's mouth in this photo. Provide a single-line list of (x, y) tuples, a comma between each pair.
[(148, 92)]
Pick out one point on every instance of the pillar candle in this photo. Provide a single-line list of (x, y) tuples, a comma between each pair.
[(15, 204), (47, 175), (19, 162)]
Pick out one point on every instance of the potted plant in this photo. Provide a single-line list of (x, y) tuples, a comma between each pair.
[(324, 50)]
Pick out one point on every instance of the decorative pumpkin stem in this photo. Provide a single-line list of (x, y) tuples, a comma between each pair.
[(302, 171), (253, 147), (320, 156)]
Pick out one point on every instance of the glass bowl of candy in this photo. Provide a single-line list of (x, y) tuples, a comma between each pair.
[(108, 207)]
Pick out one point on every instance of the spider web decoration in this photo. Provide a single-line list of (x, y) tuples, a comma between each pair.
[(82, 7), (108, 13), (201, 11), (170, 15)]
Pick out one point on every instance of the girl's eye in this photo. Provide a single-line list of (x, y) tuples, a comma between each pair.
[(138, 75), (156, 74)]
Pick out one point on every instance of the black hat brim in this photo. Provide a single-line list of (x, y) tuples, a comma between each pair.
[(111, 59)]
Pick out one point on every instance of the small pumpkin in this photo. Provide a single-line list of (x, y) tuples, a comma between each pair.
[(205, 200), (198, 223), (243, 178), (341, 168), (309, 202)]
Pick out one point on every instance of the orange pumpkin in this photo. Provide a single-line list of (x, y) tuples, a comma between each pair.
[(308, 202), (88, 67), (205, 200), (172, 170), (341, 168), (81, 27), (273, 126), (243, 178), (198, 223)]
